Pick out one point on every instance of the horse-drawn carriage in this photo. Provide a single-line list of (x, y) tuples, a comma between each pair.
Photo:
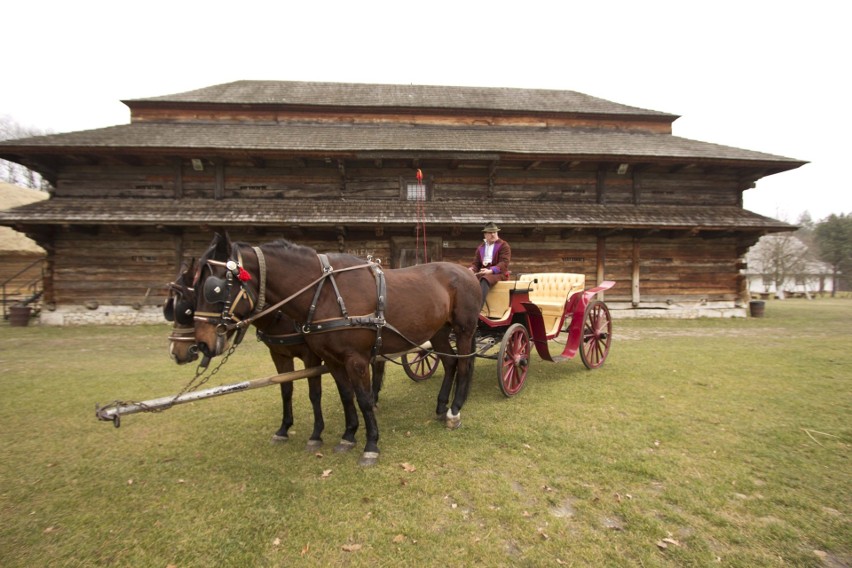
[(532, 310), (352, 316)]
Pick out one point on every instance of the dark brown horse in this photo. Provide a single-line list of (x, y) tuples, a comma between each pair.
[(276, 330), (350, 311)]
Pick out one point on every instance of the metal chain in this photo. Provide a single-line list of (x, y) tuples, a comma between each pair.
[(190, 387)]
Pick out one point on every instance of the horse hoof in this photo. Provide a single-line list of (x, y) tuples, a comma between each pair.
[(278, 439), (344, 446), (453, 421), (368, 459), (313, 445)]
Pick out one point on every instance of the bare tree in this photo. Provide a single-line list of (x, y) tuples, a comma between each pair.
[(779, 259), (10, 172)]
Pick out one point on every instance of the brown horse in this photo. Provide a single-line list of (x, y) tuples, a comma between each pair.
[(275, 330), (394, 311)]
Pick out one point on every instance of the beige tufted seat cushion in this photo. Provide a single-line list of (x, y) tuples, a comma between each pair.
[(550, 291)]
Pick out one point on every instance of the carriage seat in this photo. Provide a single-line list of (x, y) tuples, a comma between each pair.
[(550, 291), (498, 303)]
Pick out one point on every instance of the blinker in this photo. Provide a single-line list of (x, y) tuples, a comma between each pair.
[(214, 290), (169, 309)]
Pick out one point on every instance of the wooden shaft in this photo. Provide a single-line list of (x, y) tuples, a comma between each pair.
[(109, 413)]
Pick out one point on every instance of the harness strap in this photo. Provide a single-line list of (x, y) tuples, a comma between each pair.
[(249, 320), (381, 292), (327, 270), (261, 263), (287, 339)]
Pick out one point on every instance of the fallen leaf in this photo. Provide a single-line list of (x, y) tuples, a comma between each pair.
[(181, 481), (326, 473), (351, 547), (671, 541), (399, 538), (408, 467), (276, 542), (305, 549), (319, 455), (662, 545), (50, 530), (129, 482)]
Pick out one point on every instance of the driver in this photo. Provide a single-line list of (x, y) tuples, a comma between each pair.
[(491, 263)]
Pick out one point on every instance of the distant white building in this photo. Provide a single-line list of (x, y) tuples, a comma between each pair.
[(780, 266)]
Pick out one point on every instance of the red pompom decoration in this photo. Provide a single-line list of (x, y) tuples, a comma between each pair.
[(243, 275)]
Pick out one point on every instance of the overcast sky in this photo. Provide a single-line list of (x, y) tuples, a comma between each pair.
[(770, 76)]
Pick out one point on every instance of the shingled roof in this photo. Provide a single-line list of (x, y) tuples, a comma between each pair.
[(378, 96), (351, 137), (353, 213), (367, 140)]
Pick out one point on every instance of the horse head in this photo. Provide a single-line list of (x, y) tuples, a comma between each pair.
[(225, 297), (179, 308)]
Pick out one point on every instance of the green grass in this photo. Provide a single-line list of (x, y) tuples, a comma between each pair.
[(729, 437)]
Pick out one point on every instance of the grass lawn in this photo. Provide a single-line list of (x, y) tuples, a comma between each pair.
[(700, 443)]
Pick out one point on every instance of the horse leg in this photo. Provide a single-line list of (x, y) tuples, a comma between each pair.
[(315, 395), (378, 380), (464, 372), (441, 344), (284, 364), (358, 370), (350, 413)]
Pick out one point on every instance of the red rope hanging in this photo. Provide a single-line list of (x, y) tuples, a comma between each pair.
[(420, 199)]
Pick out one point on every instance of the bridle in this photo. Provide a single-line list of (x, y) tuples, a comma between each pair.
[(218, 292)]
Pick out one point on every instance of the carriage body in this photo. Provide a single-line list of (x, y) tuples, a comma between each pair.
[(532, 311)]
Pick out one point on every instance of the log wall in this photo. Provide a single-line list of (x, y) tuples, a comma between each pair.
[(103, 267), (302, 180)]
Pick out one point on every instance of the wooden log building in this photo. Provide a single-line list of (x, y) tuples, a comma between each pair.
[(576, 184)]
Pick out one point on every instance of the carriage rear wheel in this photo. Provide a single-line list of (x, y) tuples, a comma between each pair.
[(420, 365), (514, 359), (597, 334)]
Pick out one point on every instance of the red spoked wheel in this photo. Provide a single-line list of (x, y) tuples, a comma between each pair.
[(597, 334), (514, 359), (420, 365)]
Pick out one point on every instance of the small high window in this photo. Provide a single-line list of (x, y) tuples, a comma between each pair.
[(415, 191)]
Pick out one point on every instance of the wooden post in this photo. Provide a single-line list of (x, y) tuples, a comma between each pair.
[(219, 191), (634, 288), (178, 178)]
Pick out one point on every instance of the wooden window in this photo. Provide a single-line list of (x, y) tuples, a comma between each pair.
[(415, 191)]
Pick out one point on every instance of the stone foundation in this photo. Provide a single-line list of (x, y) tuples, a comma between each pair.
[(102, 315)]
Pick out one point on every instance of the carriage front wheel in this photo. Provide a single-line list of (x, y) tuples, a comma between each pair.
[(514, 359), (597, 334), (420, 365)]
